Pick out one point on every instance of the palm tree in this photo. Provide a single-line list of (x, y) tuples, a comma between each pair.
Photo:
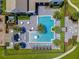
[(41, 28), (57, 15), (17, 29), (16, 46)]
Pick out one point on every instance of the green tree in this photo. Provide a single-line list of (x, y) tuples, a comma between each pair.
[(41, 28), (74, 16), (17, 29), (16, 46), (74, 38), (57, 15)]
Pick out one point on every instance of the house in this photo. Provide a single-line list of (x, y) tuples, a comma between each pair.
[(16, 5), (22, 5)]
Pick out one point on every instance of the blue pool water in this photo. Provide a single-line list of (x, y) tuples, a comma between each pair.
[(48, 22)]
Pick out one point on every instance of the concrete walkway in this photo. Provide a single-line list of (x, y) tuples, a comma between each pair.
[(61, 56)]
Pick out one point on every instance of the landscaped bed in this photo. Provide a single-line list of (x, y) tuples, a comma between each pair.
[(3, 6), (23, 18)]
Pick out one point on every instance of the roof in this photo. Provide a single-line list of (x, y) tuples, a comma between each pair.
[(21, 5), (16, 5), (10, 5)]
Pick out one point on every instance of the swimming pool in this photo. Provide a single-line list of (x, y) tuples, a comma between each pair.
[(48, 22)]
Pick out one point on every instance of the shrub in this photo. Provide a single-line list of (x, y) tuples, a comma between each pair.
[(57, 29), (74, 17), (7, 44), (57, 42), (17, 29), (57, 15), (16, 46)]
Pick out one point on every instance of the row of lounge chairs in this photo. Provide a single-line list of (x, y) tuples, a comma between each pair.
[(42, 48)]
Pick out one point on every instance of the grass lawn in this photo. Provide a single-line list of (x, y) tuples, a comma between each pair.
[(23, 18), (62, 35), (3, 6), (62, 22), (26, 56), (71, 10), (74, 54), (76, 2)]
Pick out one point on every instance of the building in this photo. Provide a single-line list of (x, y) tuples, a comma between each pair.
[(22, 5)]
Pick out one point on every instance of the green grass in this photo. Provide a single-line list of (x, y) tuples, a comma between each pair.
[(23, 18), (62, 22), (57, 29), (62, 35), (71, 10), (76, 2), (28, 55), (3, 6), (73, 55)]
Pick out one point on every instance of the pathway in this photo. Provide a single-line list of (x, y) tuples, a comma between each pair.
[(61, 56)]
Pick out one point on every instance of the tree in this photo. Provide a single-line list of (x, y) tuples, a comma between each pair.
[(74, 16), (41, 28), (74, 38), (70, 41), (17, 29), (57, 15), (16, 46)]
